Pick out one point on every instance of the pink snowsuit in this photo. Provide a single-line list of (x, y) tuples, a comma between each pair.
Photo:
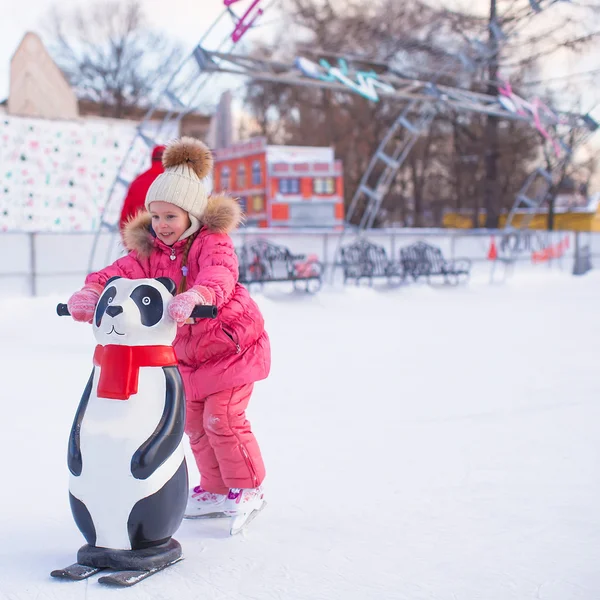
[(219, 359)]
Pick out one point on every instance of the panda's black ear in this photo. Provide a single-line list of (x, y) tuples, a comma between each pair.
[(168, 283), (112, 279)]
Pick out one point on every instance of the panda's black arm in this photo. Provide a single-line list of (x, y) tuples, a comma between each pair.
[(74, 452), (168, 433)]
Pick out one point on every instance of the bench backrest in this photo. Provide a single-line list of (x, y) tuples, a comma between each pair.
[(363, 258), (434, 256), (378, 256), (421, 258), (277, 261)]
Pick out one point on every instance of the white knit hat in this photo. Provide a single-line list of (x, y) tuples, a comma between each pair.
[(187, 162)]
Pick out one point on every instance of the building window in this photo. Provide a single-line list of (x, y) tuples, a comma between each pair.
[(241, 177), (258, 204), (256, 173), (324, 185), (289, 186), (225, 178)]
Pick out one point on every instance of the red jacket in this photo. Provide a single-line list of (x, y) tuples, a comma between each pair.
[(136, 194), (213, 354)]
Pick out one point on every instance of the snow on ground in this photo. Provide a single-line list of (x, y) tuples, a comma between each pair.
[(421, 443)]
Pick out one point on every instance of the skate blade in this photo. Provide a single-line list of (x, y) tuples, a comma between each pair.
[(242, 521), (215, 515)]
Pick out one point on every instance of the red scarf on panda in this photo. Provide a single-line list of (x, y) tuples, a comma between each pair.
[(120, 367)]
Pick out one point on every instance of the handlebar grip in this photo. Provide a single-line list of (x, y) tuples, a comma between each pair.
[(204, 311), (62, 310)]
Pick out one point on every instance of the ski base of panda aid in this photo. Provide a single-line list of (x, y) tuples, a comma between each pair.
[(77, 572), (122, 568)]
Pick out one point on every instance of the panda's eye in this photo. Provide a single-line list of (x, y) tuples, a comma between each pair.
[(149, 302), (109, 300)]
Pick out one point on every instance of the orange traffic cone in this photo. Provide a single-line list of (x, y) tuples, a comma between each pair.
[(493, 251)]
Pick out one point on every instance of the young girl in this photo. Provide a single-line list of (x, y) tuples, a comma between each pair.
[(184, 236)]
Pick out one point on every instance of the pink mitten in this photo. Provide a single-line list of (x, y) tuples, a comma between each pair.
[(181, 307), (82, 304)]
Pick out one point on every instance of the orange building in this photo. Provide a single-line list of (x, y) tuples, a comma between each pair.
[(283, 186)]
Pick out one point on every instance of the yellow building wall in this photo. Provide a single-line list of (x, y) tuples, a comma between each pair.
[(569, 221)]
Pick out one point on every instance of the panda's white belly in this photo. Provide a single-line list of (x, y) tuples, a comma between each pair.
[(111, 433)]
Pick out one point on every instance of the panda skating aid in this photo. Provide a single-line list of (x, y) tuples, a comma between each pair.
[(128, 483)]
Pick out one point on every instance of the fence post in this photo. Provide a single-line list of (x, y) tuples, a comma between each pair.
[(325, 253), (583, 262), (32, 264)]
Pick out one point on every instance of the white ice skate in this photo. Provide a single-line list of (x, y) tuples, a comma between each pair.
[(244, 505), (206, 505)]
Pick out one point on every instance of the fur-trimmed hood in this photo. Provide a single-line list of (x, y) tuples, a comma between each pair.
[(223, 214)]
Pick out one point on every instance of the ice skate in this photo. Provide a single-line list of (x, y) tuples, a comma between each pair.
[(243, 505), (206, 505)]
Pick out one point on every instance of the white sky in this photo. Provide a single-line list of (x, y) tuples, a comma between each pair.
[(183, 20)]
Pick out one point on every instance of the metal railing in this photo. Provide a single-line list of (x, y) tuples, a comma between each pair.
[(29, 258)]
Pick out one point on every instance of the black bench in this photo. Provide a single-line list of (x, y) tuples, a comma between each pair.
[(365, 260), (423, 260), (263, 262)]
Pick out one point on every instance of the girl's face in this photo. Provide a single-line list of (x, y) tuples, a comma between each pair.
[(168, 221)]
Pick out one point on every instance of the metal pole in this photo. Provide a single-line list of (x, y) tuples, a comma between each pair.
[(491, 127), (32, 263), (576, 265)]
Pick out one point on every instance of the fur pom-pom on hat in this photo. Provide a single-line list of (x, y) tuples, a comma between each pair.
[(191, 152), (187, 162)]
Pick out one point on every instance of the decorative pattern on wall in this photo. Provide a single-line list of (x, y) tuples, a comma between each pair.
[(56, 175)]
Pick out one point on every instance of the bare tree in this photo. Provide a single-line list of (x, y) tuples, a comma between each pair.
[(380, 32), (521, 33), (452, 166), (110, 56)]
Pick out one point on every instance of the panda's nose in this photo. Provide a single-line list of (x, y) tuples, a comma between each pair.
[(113, 311)]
